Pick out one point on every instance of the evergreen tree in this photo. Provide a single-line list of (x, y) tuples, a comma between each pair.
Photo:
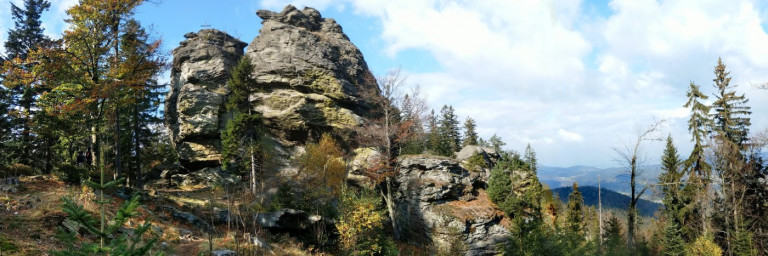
[(743, 244), (671, 187), (731, 161), (241, 142), (731, 117), (574, 221), (530, 158), (470, 135), (27, 33), (696, 166), (26, 37), (449, 129), (6, 147), (673, 242), (613, 238), (496, 142)]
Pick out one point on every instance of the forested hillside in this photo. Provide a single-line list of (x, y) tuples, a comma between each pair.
[(610, 199)]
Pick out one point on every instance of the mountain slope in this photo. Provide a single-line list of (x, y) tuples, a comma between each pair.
[(615, 178), (611, 199)]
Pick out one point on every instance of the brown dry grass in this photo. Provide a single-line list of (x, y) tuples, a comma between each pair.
[(480, 207)]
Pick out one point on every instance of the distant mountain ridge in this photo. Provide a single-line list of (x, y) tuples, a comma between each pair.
[(614, 178), (611, 199)]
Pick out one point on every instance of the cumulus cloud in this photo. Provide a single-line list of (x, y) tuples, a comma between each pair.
[(523, 69), (53, 19)]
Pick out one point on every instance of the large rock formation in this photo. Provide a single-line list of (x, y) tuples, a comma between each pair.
[(440, 202), (312, 79), (195, 102)]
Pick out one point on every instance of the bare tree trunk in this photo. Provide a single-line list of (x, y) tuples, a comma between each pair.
[(136, 145), (630, 156), (253, 169), (118, 164), (387, 195), (600, 207)]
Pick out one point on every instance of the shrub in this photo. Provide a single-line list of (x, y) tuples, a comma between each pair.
[(72, 174), (704, 246), (20, 170), (476, 163), (361, 227)]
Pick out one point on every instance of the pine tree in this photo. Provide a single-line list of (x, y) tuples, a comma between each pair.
[(470, 135)]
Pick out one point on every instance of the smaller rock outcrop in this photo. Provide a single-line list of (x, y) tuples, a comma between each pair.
[(437, 201), (198, 90), (476, 158)]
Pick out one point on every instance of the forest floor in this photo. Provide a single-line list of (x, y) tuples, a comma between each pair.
[(31, 216)]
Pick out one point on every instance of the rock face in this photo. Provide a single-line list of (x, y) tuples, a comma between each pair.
[(311, 78), (194, 106), (440, 202)]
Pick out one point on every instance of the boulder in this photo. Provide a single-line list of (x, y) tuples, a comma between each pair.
[(487, 159), (296, 222), (223, 253), (185, 217), (364, 160), (439, 202), (205, 177), (198, 90)]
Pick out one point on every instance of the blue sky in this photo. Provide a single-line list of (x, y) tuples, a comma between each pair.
[(573, 78)]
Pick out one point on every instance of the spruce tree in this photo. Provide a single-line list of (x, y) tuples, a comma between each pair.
[(613, 239), (696, 166), (530, 158), (574, 221), (496, 142), (731, 117), (672, 241), (470, 135), (26, 37), (449, 129), (241, 142), (671, 179)]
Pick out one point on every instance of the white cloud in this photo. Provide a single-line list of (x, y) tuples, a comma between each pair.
[(52, 19), (523, 69), (570, 136)]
